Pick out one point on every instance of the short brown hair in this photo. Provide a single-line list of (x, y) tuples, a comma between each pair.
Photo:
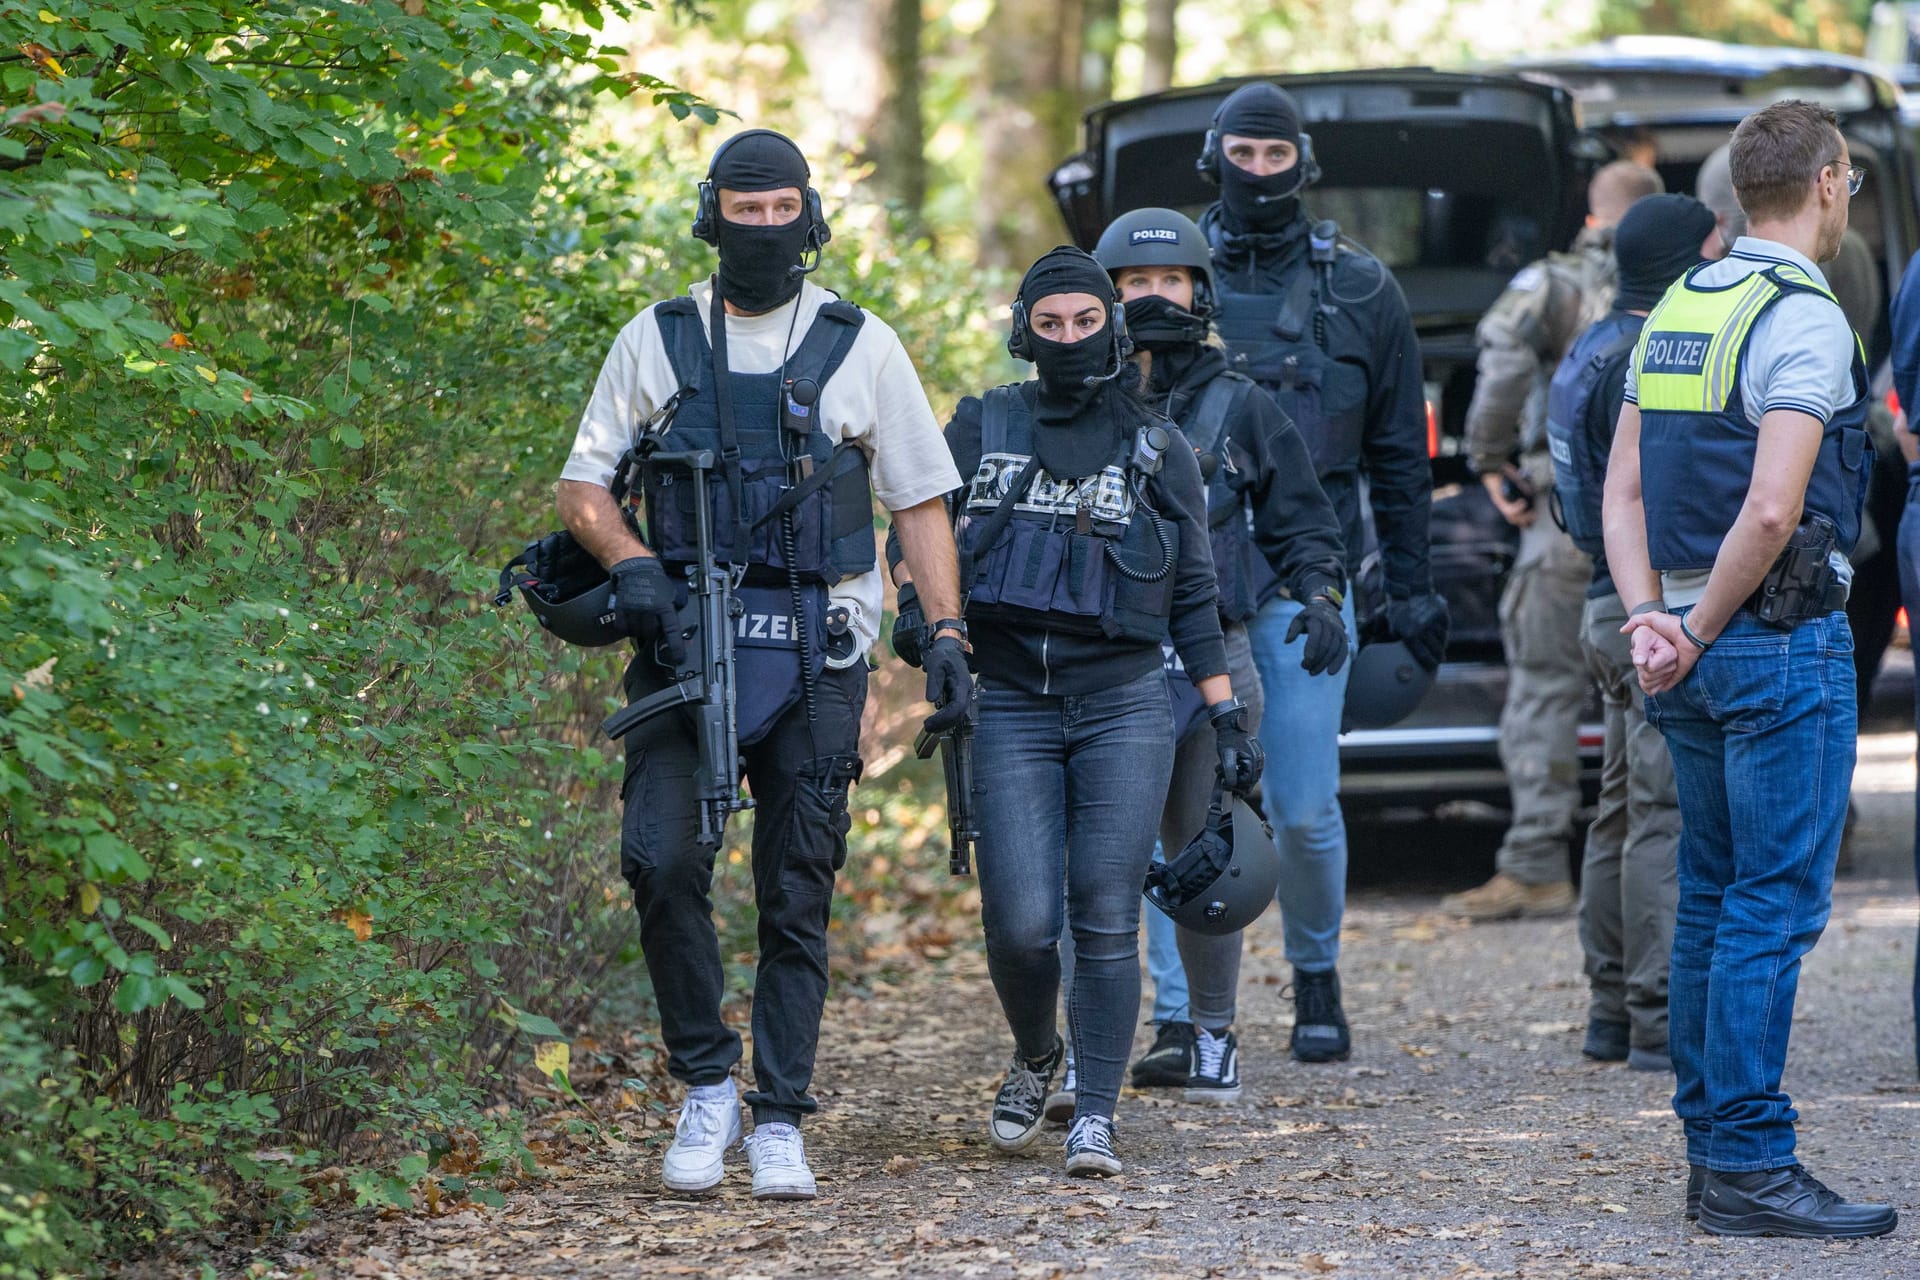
[(1617, 186), (1776, 153)]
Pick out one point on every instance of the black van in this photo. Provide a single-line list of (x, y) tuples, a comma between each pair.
[(1456, 179)]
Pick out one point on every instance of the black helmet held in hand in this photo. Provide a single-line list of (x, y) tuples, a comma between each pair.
[(568, 592), (1225, 877), (1387, 682)]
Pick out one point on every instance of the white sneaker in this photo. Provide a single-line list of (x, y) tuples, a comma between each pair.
[(709, 1126), (779, 1160)]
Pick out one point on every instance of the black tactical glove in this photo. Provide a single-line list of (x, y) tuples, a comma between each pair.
[(949, 683), (909, 627), (1420, 622), (643, 604), (1241, 759), (1326, 632)]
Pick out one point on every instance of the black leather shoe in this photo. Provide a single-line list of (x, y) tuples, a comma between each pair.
[(1696, 1182), (1319, 1023), (1606, 1041), (1786, 1202), (1171, 1060)]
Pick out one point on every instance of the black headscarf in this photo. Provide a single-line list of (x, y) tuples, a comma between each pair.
[(1253, 202), (1657, 242), (1080, 414), (760, 265)]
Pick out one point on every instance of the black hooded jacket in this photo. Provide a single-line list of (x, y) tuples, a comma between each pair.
[(1295, 528), (1373, 332)]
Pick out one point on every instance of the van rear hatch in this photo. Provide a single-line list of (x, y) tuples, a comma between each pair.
[(1456, 181)]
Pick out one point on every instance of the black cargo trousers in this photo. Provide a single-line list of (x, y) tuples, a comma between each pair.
[(798, 776)]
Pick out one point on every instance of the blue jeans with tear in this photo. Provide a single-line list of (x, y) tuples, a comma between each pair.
[(1762, 737)]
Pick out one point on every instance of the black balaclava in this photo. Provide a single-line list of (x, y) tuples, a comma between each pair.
[(760, 266), (1655, 244), (1259, 203), (1078, 414), (1155, 324)]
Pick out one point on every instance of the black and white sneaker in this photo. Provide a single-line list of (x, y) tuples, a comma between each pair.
[(1020, 1108), (1090, 1152), (1168, 1064), (1060, 1103), (1319, 1022), (1216, 1071)]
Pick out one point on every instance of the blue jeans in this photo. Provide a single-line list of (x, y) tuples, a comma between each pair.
[(1910, 596), (1169, 975), (1300, 730), (1071, 789), (1762, 737)]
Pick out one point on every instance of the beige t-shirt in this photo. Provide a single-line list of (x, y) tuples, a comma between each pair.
[(874, 399)]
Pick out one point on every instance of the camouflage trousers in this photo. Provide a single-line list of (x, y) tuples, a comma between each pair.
[(1540, 620), (1629, 884)]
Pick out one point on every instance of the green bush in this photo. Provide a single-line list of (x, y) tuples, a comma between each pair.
[(304, 842)]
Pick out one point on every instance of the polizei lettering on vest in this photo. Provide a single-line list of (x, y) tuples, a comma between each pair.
[(777, 627), (1676, 353), (1106, 496)]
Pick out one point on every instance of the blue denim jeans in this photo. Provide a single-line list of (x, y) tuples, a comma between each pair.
[(1300, 730), (1169, 975), (1071, 789), (1910, 597), (1762, 738)]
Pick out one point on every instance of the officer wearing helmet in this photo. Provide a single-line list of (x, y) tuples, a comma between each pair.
[(782, 382), (1321, 326), (1272, 529)]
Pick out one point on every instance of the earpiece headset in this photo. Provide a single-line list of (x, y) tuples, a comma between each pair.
[(1208, 165), (706, 218), (1020, 338)]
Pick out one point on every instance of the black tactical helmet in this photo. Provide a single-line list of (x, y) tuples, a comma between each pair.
[(1384, 687), (565, 588), (1160, 238), (1224, 878)]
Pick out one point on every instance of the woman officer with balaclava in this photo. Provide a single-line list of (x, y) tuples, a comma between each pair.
[(1083, 541), (1272, 531)]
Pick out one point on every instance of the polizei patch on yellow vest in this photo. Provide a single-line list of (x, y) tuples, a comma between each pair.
[(1675, 353)]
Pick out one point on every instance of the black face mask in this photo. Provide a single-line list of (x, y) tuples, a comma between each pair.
[(759, 265), (1156, 324), (1073, 431), (1259, 202)]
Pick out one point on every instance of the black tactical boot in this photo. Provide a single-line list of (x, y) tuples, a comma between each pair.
[(1696, 1182), (1607, 1041), (1786, 1202), (1319, 1023)]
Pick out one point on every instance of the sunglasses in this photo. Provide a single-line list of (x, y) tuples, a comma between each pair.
[(1856, 174)]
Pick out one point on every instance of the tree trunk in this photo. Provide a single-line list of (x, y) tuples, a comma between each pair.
[(1028, 121), (1100, 40), (1161, 46), (899, 149)]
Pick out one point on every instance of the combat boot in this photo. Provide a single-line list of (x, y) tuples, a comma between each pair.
[(1504, 898)]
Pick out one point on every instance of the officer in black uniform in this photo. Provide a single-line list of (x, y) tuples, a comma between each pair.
[(1271, 527), (1321, 325), (1083, 542), (811, 409)]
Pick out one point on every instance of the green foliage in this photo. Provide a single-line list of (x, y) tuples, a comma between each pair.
[(304, 843)]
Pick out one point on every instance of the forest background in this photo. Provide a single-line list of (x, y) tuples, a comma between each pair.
[(308, 891)]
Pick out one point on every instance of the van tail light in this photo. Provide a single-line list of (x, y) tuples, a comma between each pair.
[(1433, 430), (1893, 403), (1900, 619)]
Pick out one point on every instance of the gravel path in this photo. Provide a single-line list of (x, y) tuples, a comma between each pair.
[(1466, 1138)]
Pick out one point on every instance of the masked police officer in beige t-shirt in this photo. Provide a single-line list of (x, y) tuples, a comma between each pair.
[(781, 381)]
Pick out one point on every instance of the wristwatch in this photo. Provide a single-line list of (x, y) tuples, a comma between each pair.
[(949, 624)]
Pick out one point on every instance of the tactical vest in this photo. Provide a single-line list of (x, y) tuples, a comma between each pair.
[(1696, 444), (1580, 460), (1279, 342), (824, 487), (1090, 557), (1243, 572)]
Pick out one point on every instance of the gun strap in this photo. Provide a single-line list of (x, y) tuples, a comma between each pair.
[(729, 435)]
